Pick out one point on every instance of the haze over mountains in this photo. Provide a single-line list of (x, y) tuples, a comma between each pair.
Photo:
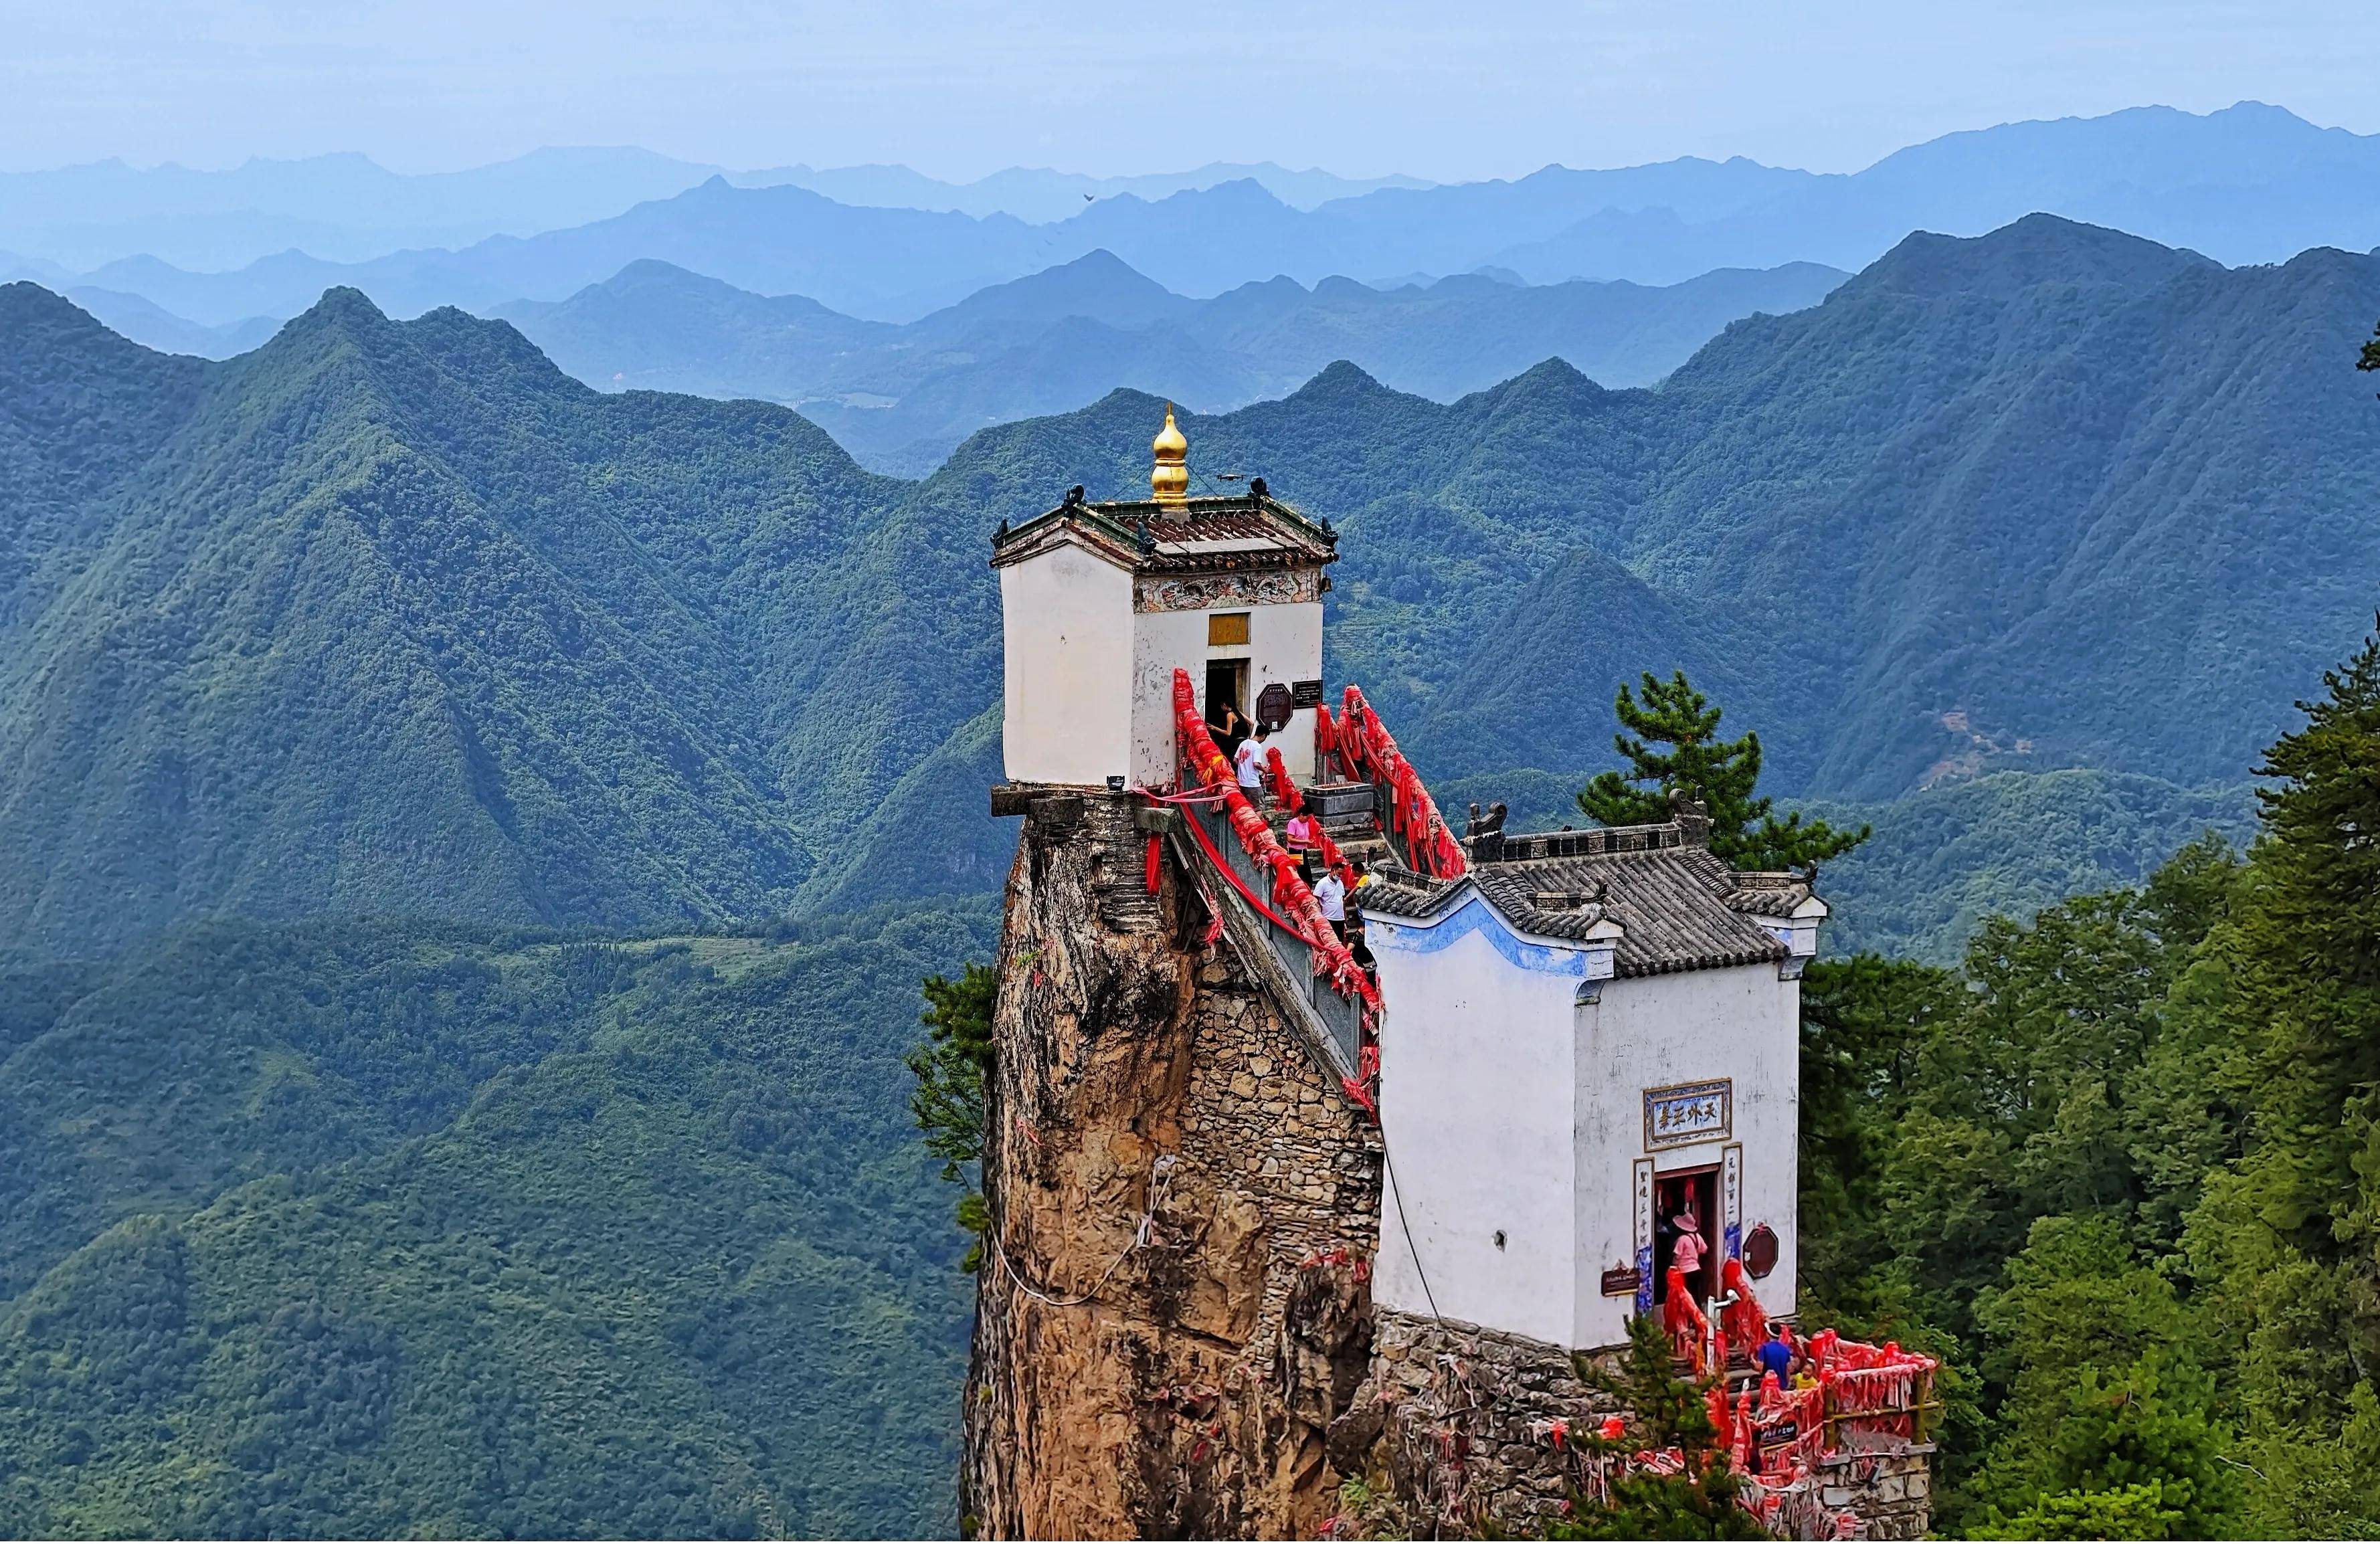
[(2249, 183), (346, 208), (469, 841), (901, 398)]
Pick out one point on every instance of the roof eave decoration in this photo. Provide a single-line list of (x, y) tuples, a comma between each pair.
[(1582, 959), (1117, 529)]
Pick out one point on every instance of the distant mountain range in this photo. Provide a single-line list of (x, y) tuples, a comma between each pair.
[(346, 208), (2249, 184), (901, 397), (396, 616), (1040, 195)]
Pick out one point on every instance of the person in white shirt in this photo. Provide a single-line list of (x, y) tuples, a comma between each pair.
[(1330, 898), (1249, 761)]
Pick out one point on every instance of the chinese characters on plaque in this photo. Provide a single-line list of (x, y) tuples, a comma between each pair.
[(1687, 1112)]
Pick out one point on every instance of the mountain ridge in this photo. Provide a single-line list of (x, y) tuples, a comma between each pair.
[(2145, 169), (901, 398), (2070, 500)]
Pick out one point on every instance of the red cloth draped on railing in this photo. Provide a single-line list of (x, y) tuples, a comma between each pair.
[(1746, 1325), (1683, 1316), (1284, 787), (1368, 751), (1204, 763)]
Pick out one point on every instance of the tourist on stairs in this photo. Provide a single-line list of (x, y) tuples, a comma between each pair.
[(1330, 899), (1248, 761)]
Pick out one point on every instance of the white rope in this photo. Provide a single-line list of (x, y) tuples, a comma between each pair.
[(1160, 1175)]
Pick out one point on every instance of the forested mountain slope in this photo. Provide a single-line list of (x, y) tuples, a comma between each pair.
[(341, 1230), (2055, 497), (396, 617), (901, 397)]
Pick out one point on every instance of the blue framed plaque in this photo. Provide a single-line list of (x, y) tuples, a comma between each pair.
[(1687, 1112)]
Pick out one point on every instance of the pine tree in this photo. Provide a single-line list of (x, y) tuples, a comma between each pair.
[(1664, 1411), (1723, 774), (950, 1068)]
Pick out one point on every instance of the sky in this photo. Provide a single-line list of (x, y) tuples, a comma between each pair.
[(1446, 92)]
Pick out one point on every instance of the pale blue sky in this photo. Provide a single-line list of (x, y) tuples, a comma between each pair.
[(1441, 91)]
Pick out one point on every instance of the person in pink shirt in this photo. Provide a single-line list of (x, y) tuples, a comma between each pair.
[(1687, 1253)]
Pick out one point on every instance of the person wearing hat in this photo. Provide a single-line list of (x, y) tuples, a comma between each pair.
[(1686, 1255)]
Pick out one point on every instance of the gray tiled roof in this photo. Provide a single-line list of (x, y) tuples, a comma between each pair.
[(1248, 532), (1679, 907)]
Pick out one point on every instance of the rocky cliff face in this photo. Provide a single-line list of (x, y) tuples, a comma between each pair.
[(1173, 1307)]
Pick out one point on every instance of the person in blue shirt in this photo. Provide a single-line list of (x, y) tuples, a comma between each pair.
[(1777, 1354)]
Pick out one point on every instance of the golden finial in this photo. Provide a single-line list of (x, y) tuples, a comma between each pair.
[(1170, 479)]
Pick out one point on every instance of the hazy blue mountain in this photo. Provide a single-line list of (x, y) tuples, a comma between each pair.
[(346, 208), (1041, 196), (151, 325), (343, 207), (901, 398), (2249, 183), (773, 240)]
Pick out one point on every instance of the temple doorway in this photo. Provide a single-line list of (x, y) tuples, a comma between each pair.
[(1686, 1193), (1227, 685)]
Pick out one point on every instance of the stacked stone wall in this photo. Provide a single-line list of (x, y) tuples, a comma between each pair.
[(1469, 1429), (1890, 1488)]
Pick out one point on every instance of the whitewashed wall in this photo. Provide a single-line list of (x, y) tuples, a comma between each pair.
[(1654, 1031), (1477, 1106), (1068, 681), (1284, 645), (1507, 1104)]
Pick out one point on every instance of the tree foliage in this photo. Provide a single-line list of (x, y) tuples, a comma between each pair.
[(1664, 1411), (950, 1069), (1671, 742), (2120, 1166), (364, 1230)]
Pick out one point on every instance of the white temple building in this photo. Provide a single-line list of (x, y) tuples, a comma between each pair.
[(1587, 1036)]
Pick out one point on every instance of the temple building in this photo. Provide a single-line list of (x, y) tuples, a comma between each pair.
[(1100, 603), (1277, 1199)]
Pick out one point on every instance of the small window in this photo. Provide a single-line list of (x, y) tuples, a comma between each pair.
[(1227, 629)]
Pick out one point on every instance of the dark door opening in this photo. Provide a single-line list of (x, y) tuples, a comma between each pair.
[(1687, 1193), (1227, 686)]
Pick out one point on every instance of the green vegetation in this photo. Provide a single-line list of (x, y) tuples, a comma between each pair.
[(2115, 1167), (346, 1225), (396, 619), (1664, 1411), (1719, 774), (950, 1068), (375, 1230)]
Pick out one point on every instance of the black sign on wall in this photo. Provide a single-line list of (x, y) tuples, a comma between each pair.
[(1306, 694)]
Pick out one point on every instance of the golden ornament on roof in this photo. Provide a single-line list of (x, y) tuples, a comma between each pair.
[(1170, 479)]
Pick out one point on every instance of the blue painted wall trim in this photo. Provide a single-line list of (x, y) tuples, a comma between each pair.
[(1476, 916)]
